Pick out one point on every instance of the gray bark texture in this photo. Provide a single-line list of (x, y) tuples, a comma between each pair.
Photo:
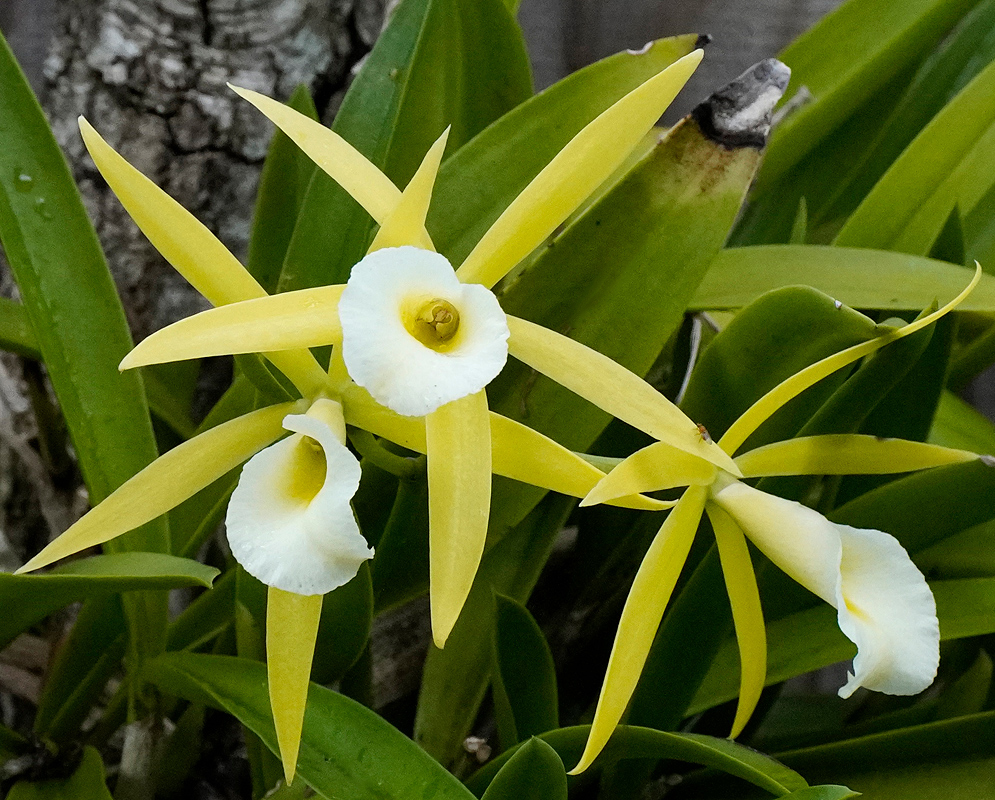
[(151, 76)]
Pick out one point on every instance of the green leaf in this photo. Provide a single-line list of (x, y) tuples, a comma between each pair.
[(438, 63), (284, 180), (85, 783), (78, 674), (16, 334), (344, 628), (631, 742), (534, 772), (206, 618), (825, 792), (846, 58), (346, 749), (67, 289), (951, 758), (958, 425), (524, 679), (770, 340), (29, 598), (811, 639), (945, 166), (855, 276)]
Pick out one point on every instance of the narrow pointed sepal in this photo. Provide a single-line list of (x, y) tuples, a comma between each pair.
[(655, 467), (747, 613), (406, 223), (286, 321), (641, 616), (168, 481), (612, 388), (291, 632), (573, 174), (458, 437), (847, 454), (333, 154), (766, 406), (882, 600)]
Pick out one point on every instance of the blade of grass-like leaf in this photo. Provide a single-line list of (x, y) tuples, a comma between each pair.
[(534, 772), (945, 166), (858, 277), (346, 749)]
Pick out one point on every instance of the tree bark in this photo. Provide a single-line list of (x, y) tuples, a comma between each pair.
[(150, 75)]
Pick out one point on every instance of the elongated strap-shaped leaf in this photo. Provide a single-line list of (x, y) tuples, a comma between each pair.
[(762, 409), (343, 162), (169, 480), (291, 631), (458, 439), (611, 387), (406, 223), (190, 247), (657, 466), (286, 321), (576, 171), (518, 452), (846, 454), (641, 616), (747, 613)]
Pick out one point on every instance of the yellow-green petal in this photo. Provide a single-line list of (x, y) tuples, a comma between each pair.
[(573, 174), (458, 439), (190, 247), (846, 454), (291, 631), (344, 163), (790, 388), (747, 613), (287, 321), (169, 480), (657, 466), (641, 617), (612, 388), (406, 223), (518, 451)]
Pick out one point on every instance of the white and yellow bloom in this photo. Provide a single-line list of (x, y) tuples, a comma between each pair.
[(289, 520), (883, 602)]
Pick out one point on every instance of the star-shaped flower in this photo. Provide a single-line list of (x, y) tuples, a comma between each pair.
[(884, 605), (289, 521)]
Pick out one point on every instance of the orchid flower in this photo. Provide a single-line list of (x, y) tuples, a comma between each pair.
[(883, 602), (424, 340), (289, 522)]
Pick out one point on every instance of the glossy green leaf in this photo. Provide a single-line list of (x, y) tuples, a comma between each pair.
[(284, 180), (400, 569), (437, 63), (768, 341), (825, 792), (882, 38), (857, 277), (85, 783), (29, 598), (455, 679), (16, 334), (524, 679), (811, 639), (631, 742), (946, 165), (206, 618), (346, 616), (534, 772), (959, 425), (939, 760), (346, 749)]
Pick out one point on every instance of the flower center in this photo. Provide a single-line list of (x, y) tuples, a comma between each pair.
[(436, 323)]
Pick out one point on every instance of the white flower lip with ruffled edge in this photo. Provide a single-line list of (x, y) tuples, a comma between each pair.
[(883, 602), (415, 337), (289, 521)]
